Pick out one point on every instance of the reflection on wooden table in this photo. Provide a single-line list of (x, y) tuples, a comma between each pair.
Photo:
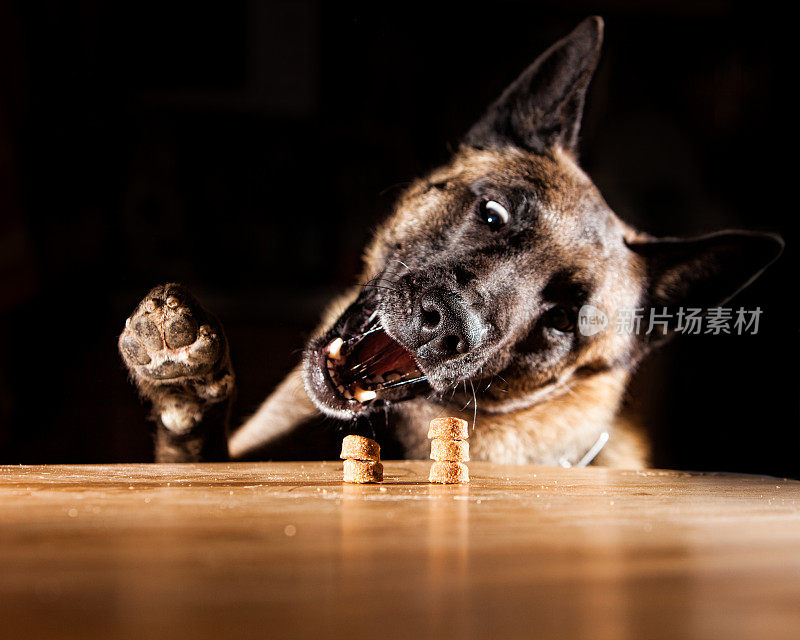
[(277, 550)]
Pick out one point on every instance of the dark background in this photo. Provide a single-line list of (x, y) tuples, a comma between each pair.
[(249, 149)]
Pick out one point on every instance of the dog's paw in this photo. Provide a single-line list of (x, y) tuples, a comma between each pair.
[(172, 341)]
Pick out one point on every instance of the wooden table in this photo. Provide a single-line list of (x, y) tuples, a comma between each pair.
[(285, 550)]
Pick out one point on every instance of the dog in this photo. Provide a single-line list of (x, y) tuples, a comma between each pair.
[(468, 305)]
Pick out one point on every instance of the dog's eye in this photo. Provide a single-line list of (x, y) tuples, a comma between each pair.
[(493, 213), (561, 319)]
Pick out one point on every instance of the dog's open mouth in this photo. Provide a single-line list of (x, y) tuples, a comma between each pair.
[(354, 368), (369, 365)]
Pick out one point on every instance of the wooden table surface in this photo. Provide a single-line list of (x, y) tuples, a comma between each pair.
[(280, 550)]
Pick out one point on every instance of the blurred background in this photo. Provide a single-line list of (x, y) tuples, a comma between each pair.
[(248, 150)]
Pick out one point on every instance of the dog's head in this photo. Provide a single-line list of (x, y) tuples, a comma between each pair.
[(480, 272)]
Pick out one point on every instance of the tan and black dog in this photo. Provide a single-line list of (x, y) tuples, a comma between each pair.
[(468, 304)]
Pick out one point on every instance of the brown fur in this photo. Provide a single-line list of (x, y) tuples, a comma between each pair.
[(557, 416), (561, 427), (536, 390)]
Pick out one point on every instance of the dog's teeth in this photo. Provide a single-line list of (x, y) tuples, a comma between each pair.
[(347, 393), (341, 389), (392, 377), (335, 348), (330, 364), (378, 379), (364, 395)]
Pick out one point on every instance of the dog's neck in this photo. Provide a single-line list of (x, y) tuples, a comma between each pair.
[(558, 430)]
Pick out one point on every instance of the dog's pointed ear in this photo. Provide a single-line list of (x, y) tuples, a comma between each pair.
[(704, 272), (542, 109)]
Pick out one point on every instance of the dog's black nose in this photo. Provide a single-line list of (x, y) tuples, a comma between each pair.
[(447, 326)]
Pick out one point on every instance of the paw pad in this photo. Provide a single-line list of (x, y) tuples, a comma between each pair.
[(171, 336)]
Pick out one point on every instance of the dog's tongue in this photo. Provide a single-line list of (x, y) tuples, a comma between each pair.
[(380, 354)]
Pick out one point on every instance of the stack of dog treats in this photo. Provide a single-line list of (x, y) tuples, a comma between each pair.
[(362, 460), (449, 450)]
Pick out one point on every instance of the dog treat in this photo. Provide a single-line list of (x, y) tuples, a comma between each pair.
[(361, 460), (449, 472), (449, 428), (362, 471), (449, 450), (360, 448)]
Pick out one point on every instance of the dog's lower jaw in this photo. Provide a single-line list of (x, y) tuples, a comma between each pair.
[(552, 432)]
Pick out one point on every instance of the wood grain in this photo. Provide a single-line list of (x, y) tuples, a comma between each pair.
[(285, 550)]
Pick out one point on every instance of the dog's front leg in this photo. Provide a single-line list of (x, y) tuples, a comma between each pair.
[(177, 356)]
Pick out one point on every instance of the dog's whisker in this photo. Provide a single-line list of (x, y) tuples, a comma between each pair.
[(497, 375), (373, 329), (373, 319), (394, 385), (359, 370), (401, 262), (475, 412), (453, 395), (377, 286), (363, 366)]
